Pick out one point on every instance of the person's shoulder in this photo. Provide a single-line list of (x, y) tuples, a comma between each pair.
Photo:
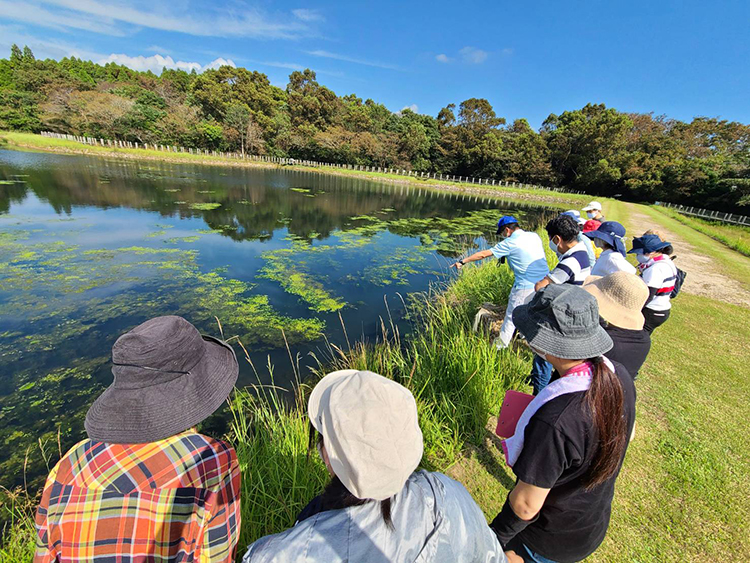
[(213, 452), (287, 546), (562, 411)]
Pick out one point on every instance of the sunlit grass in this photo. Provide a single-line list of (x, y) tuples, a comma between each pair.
[(735, 237)]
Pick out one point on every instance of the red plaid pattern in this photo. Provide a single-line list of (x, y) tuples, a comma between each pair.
[(173, 500)]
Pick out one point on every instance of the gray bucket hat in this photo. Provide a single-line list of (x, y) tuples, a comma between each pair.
[(563, 320), (167, 378)]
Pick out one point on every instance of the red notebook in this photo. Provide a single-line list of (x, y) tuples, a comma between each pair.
[(514, 404)]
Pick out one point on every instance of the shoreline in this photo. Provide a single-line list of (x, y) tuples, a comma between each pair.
[(33, 142)]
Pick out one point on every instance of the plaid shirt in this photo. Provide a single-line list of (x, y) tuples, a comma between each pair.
[(173, 500)]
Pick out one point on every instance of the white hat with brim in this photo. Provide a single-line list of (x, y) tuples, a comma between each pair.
[(370, 430), (593, 205)]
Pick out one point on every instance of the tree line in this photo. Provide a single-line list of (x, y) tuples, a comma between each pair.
[(595, 149)]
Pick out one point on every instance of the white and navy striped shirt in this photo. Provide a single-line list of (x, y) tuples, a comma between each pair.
[(574, 266), (660, 273)]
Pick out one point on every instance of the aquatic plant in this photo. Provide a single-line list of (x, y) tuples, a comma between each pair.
[(204, 206)]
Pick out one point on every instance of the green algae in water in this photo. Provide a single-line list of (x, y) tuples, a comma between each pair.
[(204, 206), (187, 239), (280, 268)]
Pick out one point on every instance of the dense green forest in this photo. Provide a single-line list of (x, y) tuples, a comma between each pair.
[(595, 149)]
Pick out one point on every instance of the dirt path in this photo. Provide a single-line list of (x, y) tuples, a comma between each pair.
[(703, 277)]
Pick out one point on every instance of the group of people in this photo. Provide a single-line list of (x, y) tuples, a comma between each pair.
[(146, 486)]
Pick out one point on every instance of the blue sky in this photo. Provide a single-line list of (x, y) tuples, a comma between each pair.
[(530, 59)]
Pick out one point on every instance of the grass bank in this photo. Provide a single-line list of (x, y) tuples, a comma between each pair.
[(735, 237), (30, 141)]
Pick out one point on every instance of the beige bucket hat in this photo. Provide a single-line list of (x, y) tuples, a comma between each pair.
[(370, 430), (621, 296)]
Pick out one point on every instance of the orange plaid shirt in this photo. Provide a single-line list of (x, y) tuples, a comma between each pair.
[(177, 499)]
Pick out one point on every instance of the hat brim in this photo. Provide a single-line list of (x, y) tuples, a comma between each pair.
[(136, 416), (617, 244), (539, 335), (613, 312)]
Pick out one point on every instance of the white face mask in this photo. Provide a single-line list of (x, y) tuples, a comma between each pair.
[(642, 258), (553, 247), (590, 214)]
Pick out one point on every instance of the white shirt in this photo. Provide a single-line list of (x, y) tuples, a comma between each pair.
[(611, 261), (660, 273)]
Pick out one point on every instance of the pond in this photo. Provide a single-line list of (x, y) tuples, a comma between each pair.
[(91, 247)]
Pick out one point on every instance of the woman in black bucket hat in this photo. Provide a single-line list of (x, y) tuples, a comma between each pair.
[(570, 442)]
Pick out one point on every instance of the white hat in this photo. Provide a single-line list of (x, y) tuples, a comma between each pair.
[(593, 205), (370, 431)]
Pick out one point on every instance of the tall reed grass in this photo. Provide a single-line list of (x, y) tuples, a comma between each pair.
[(456, 375)]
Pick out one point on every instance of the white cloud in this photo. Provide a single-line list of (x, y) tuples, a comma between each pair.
[(329, 55), (100, 17), (308, 15), (412, 107), (472, 55), (156, 63), (507, 51), (36, 15), (158, 49), (443, 58)]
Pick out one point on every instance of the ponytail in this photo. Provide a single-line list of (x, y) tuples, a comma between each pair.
[(605, 402)]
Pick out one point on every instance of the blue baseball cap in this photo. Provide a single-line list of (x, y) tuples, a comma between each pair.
[(504, 221), (648, 244)]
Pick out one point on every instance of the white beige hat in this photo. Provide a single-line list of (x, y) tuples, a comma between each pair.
[(370, 431), (593, 205), (621, 296)]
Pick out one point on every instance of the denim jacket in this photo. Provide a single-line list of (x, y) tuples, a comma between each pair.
[(434, 518)]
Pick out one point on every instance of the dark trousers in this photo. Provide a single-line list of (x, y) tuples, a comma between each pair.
[(654, 319)]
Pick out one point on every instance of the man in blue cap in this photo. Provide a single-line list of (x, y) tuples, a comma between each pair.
[(524, 253)]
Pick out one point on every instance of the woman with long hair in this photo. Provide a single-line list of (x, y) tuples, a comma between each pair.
[(377, 508), (570, 442)]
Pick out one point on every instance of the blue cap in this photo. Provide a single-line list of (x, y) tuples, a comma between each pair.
[(504, 221), (647, 244), (612, 233)]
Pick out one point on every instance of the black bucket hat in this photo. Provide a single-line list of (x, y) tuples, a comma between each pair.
[(167, 378), (563, 320)]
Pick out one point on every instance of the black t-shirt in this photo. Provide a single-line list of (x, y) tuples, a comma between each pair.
[(630, 347), (559, 445)]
